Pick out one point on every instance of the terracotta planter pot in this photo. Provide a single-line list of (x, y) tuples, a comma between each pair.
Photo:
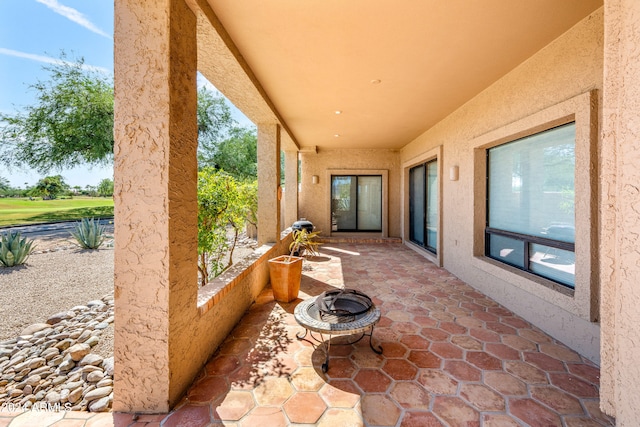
[(285, 273)]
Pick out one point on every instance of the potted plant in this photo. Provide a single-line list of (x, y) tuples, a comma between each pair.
[(304, 240), (285, 271)]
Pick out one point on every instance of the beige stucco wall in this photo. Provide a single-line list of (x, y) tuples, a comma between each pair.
[(165, 328), (620, 214), (290, 196), (155, 198), (314, 199), (269, 178), (569, 66)]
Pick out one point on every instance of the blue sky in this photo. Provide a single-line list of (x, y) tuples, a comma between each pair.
[(32, 34)]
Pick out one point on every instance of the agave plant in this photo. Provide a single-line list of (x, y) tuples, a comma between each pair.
[(14, 250), (89, 233)]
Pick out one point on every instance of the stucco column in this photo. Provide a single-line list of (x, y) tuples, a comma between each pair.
[(268, 183), (155, 197), (620, 214), (291, 187)]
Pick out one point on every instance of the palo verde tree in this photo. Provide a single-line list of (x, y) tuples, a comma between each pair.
[(71, 122)]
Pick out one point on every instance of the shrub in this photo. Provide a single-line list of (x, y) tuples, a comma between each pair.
[(13, 250), (304, 241), (224, 205), (89, 233)]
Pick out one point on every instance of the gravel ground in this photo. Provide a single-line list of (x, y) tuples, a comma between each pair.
[(60, 276), (52, 282)]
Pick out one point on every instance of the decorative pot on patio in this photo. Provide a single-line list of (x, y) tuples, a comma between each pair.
[(285, 273)]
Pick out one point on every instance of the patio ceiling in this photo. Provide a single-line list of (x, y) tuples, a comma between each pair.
[(392, 72)]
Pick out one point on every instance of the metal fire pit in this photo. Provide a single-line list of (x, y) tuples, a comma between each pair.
[(308, 315)]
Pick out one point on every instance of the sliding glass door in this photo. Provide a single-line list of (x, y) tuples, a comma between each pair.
[(423, 205), (356, 202)]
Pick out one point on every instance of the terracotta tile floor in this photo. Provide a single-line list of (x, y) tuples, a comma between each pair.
[(452, 357)]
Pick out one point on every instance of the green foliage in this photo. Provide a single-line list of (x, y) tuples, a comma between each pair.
[(304, 241), (14, 251), (238, 154), (4, 184), (221, 143), (89, 233), (105, 187), (49, 187), (249, 200), (91, 190), (71, 122), (224, 204), (214, 118)]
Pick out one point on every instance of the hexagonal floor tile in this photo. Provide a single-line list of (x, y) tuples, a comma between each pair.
[(455, 411), (304, 408), (340, 393), (400, 369), (410, 395), (273, 391), (372, 381), (379, 410), (234, 406), (307, 379)]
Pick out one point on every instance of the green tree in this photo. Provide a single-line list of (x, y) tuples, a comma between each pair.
[(4, 184), (71, 122), (91, 190), (224, 204), (105, 188), (238, 154), (214, 124), (49, 187)]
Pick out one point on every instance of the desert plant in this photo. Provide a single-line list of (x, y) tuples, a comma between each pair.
[(14, 250), (89, 233), (304, 240)]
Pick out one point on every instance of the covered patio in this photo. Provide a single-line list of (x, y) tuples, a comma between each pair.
[(452, 356), (399, 110)]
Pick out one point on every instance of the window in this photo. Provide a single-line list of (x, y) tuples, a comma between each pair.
[(423, 205), (356, 203), (530, 204)]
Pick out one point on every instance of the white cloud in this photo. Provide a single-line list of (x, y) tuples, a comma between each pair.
[(48, 59), (73, 15)]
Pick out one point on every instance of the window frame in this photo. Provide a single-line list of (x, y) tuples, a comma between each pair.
[(432, 153), (582, 300), (326, 224), (526, 239), (425, 174), (357, 177)]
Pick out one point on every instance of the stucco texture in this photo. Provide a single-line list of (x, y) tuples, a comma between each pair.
[(570, 66), (269, 183), (155, 197), (620, 259)]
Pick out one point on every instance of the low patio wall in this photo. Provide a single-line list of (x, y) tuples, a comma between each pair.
[(221, 304)]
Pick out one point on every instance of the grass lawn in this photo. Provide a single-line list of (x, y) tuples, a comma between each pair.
[(25, 211)]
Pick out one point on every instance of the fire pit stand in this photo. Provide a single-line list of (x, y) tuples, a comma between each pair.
[(308, 315)]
